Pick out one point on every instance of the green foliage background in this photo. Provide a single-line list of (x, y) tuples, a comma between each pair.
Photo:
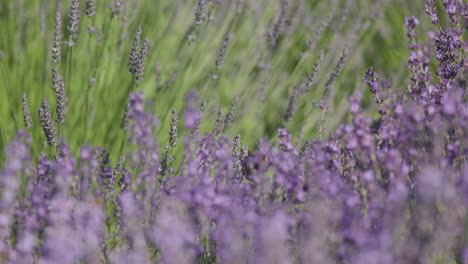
[(264, 78)]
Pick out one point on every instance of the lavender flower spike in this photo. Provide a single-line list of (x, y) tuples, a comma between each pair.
[(140, 67), (232, 111), (57, 46), (134, 52), (336, 72), (26, 113), (173, 131), (90, 8), (62, 100), (47, 123), (73, 22)]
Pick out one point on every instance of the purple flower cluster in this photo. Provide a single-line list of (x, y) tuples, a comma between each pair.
[(391, 189)]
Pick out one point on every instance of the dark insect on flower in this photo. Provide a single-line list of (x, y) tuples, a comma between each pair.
[(255, 163)]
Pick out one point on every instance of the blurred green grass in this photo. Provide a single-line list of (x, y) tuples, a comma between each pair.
[(264, 79)]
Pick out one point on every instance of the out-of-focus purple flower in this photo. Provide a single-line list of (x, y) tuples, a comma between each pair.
[(85, 152), (145, 158), (77, 236), (430, 9), (271, 239), (451, 8), (191, 117), (371, 79), (411, 23), (191, 114), (233, 237), (285, 141), (17, 163), (174, 220), (428, 183), (131, 231), (354, 106)]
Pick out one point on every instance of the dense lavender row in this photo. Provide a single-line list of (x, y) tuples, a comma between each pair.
[(390, 189)]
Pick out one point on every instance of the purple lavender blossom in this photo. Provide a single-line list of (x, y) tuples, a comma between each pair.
[(411, 23), (384, 187)]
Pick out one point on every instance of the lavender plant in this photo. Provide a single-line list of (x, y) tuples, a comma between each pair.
[(92, 64), (387, 185)]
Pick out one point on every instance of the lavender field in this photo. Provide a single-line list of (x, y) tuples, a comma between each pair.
[(243, 131)]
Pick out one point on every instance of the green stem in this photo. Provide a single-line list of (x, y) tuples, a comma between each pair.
[(122, 144), (104, 41), (85, 140), (54, 152), (135, 87), (8, 90), (34, 145), (67, 73), (2, 138), (321, 125), (86, 116), (117, 113), (59, 132)]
